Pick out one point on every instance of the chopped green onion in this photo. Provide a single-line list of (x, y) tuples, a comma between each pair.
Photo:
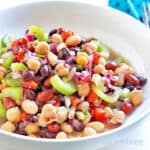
[(5, 41), (2, 110)]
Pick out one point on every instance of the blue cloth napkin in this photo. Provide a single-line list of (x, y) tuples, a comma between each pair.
[(131, 7)]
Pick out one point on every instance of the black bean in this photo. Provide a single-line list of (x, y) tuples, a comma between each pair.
[(70, 60), (21, 126), (44, 70), (77, 125), (28, 75), (21, 132), (53, 31), (143, 80), (29, 94), (63, 54), (50, 135)]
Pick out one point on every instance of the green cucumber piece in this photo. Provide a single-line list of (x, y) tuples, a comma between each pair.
[(2, 110), (13, 82), (125, 93), (66, 88), (13, 92), (105, 97), (38, 32), (18, 67), (8, 61)]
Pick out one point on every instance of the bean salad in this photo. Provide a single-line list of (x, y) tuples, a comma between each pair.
[(63, 85)]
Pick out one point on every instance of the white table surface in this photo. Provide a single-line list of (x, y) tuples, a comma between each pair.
[(138, 139)]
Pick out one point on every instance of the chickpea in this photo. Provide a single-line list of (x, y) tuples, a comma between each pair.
[(88, 131), (56, 38), (31, 128), (13, 114), (102, 61), (43, 121), (30, 107), (42, 48), (136, 97), (82, 58), (118, 117), (49, 110), (52, 58), (89, 47), (97, 79), (71, 113), (83, 106), (75, 134), (73, 40), (61, 114), (83, 89), (34, 64), (100, 69), (61, 135), (80, 115), (124, 69), (66, 127), (8, 126), (108, 112), (62, 70), (98, 126)]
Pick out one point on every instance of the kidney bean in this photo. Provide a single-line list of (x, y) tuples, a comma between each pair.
[(63, 53), (53, 48), (45, 96), (127, 108), (111, 66), (44, 70), (50, 135), (132, 79), (47, 83), (143, 80), (28, 75), (29, 94), (52, 32), (77, 125), (54, 128), (33, 118)]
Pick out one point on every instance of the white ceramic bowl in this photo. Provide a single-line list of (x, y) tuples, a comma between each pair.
[(117, 30)]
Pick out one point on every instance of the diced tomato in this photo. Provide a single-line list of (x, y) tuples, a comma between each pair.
[(92, 96), (30, 84), (96, 57), (8, 102), (98, 114), (111, 66), (66, 34), (132, 79), (74, 101), (23, 41), (20, 55), (24, 116), (54, 128), (127, 108)]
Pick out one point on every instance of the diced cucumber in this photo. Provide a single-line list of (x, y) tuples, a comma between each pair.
[(18, 67), (2, 110)]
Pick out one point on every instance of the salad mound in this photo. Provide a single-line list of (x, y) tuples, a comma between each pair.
[(62, 85)]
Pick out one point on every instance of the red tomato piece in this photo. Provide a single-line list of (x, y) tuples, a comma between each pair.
[(30, 84), (74, 101), (24, 116), (66, 34)]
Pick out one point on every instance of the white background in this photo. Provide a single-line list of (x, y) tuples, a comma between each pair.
[(138, 139)]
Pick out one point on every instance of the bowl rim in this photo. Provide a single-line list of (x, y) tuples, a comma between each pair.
[(110, 132)]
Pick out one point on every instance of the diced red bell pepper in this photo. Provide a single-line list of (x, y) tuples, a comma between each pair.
[(92, 96), (23, 41), (20, 55), (96, 57)]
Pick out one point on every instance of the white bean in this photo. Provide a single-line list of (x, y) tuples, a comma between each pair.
[(8, 126), (61, 135), (88, 131)]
